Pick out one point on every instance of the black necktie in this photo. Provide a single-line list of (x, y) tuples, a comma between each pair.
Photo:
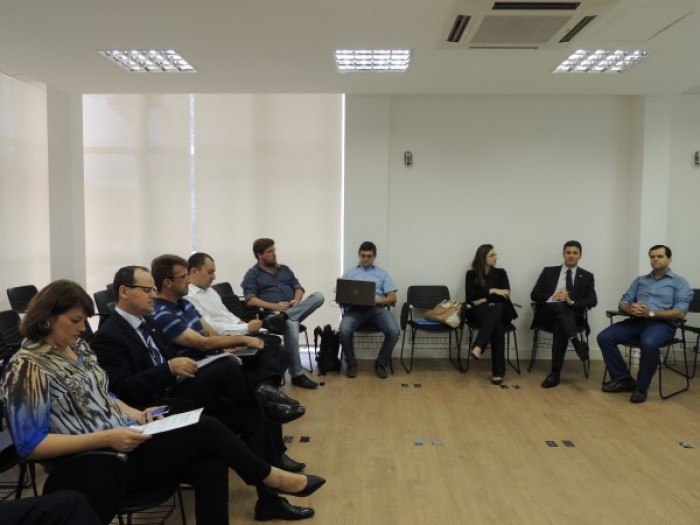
[(156, 357), (569, 281)]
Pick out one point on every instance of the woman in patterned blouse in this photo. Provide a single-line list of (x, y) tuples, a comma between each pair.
[(58, 404)]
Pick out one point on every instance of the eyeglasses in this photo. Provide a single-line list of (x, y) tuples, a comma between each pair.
[(145, 289)]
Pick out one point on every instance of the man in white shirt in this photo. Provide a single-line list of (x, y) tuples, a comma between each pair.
[(268, 366)]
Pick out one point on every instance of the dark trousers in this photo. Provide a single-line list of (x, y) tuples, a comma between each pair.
[(200, 455), (562, 320), (492, 318), (226, 394), (265, 366), (64, 507)]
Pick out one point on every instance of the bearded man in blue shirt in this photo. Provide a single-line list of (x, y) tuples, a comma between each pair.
[(377, 316), (655, 302)]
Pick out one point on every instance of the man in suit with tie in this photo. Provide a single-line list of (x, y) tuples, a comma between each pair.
[(563, 294)]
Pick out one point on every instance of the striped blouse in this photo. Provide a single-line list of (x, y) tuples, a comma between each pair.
[(48, 393)]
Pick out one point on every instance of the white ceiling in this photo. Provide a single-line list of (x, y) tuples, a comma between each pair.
[(286, 46)]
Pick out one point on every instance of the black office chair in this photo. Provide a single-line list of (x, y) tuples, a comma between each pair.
[(538, 341), (634, 344), (419, 299), (10, 336), (237, 307), (511, 335), (19, 297), (104, 301), (694, 330)]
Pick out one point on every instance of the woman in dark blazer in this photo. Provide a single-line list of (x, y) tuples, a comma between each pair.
[(488, 293)]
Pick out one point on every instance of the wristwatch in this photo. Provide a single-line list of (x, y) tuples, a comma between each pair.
[(651, 314)]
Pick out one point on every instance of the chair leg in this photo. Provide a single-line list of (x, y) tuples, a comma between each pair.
[(413, 348), (403, 341), (515, 367), (458, 362), (311, 364), (533, 353), (182, 506), (686, 375)]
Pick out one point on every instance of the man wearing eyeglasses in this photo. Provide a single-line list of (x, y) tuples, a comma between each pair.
[(143, 370)]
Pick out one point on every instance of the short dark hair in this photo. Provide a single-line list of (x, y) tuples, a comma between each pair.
[(53, 300), (569, 244), (669, 254), (162, 267), (368, 246), (125, 277), (260, 245), (197, 260)]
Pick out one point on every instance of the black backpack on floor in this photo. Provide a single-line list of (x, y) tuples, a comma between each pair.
[(327, 359)]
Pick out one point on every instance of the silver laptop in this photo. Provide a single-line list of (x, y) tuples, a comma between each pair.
[(350, 292)]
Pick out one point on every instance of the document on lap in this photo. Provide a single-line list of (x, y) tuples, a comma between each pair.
[(241, 329), (171, 422), (210, 359)]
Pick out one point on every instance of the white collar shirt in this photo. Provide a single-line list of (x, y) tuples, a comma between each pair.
[(209, 304)]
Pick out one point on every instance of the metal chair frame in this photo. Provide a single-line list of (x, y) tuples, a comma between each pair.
[(423, 298)]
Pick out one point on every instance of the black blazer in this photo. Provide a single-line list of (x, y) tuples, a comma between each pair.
[(583, 295), (132, 375), (497, 278)]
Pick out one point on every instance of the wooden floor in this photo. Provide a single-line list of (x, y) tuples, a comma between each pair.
[(484, 457), (490, 462)]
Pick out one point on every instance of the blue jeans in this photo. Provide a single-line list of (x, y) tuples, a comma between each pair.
[(651, 335), (373, 316), (297, 314)]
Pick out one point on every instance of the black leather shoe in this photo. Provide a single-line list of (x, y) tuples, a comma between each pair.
[(551, 380), (352, 371), (623, 385), (288, 464), (304, 382), (277, 322), (581, 348), (281, 509), (284, 413), (380, 370), (274, 395), (638, 396), (313, 483)]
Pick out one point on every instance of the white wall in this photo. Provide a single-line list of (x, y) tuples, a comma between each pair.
[(522, 173), (24, 193)]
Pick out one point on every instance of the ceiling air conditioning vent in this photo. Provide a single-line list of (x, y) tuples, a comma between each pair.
[(577, 28), (536, 6), (460, 24)]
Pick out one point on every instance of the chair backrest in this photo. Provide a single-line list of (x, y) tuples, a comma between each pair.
[(695, 301), (102, 300), (10, 336), (426, 296), (223, 289), (19, 297)]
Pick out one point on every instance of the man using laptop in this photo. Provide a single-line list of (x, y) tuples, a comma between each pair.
[(376, 316)]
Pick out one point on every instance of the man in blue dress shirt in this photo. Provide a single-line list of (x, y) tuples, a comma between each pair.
[(655, 302), (377, 316)]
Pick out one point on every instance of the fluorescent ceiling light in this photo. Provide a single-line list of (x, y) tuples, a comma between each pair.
[(600, 61), (149, 60), (372, 59)]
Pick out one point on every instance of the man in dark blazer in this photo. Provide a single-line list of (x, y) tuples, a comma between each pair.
[(142, 371), (563, 294)]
